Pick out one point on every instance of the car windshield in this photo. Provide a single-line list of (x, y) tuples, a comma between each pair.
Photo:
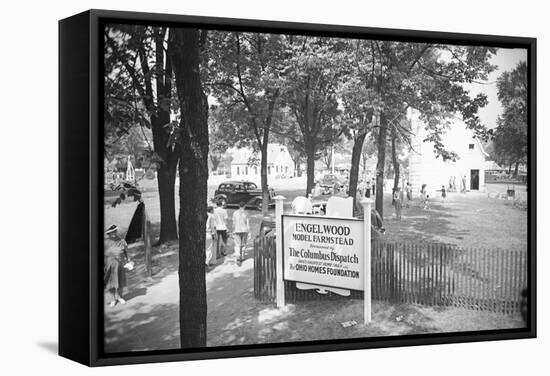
[(250, 186)]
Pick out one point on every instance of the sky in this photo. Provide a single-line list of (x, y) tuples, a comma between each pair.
[(506, 59)]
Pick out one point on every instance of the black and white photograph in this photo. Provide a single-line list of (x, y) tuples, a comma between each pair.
[(275, 188), (286, 187)]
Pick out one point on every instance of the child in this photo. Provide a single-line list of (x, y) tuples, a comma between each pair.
[(409, 191), (397, 202), (443, 193), (424, 196)]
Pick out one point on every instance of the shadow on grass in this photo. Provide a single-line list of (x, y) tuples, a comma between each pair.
[(142, 327), (418, 225)]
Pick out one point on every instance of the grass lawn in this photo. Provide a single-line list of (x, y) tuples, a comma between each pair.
[(470, 220)]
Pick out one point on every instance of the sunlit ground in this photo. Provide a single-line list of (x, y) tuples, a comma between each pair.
[(149, 320)]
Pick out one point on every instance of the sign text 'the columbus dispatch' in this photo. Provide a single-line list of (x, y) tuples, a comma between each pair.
[(323, 251)]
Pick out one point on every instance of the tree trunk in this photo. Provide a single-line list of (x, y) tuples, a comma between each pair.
[(215, 160), (296, 161), (166, 178), (516, 168), (166, 173), (354, 170), (395, 163), (310, 159), (193, 171), (364, 156), (381, 144), (263, 177)]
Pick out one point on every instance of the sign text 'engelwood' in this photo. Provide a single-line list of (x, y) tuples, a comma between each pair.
[(324, 251)]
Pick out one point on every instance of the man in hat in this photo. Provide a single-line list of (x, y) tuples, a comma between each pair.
[(115, 257)]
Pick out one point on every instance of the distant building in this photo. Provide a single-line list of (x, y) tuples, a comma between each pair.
[(245, 164), (426, 168)]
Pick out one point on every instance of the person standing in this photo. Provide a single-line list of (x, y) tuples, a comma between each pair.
[(211, 257), (241, 228), (409, 191), (220, 219), (443, 193), (115, 257), (316, 190), (398, 202), (463, 188), (424, 196), (361, 188)]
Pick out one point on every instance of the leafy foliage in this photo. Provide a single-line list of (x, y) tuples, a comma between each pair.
[(510, 136)]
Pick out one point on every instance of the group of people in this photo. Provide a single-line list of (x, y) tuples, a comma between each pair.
[(398, 198), (217, 231), (452, 184), (367, 188), (116, 261)]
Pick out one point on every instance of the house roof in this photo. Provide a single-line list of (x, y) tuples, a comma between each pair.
[(481, 147), (243, 155)]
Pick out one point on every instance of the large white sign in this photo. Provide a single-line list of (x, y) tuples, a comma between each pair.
[(323, 251)]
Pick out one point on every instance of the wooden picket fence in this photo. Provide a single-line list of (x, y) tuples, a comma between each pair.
[(423, 273)]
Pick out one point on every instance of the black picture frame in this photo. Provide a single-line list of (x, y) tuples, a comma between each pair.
[(80, 177)]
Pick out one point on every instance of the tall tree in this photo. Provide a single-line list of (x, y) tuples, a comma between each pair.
[(139, 86), (360, 102), (244, 76), (428, 78), (311, 85), (510, 136), (193, 172)]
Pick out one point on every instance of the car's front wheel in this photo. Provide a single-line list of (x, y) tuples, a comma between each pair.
[(222, 201)]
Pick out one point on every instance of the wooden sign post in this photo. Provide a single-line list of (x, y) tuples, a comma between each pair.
[(280, 284), (324, 252), (367, 309)]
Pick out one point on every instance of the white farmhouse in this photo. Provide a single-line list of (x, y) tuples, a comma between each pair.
[(426, 168), (246, 163)]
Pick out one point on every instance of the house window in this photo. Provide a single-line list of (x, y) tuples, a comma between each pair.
[(255, 170), (246, 170), (238, 170), (471, 146)]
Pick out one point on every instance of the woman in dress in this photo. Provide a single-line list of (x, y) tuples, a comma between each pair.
[(115, 257), (397, 202)]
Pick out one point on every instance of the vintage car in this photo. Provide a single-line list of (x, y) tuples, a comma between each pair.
[(233, 192), (331, 184)]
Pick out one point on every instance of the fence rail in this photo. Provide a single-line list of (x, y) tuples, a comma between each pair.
[(423, 273)]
